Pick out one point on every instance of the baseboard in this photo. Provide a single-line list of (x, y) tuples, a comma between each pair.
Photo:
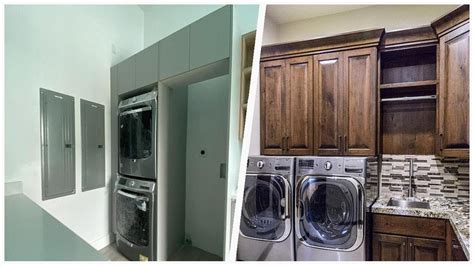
[(102, 242)]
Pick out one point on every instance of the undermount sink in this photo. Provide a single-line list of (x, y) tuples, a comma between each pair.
[(409, 203)]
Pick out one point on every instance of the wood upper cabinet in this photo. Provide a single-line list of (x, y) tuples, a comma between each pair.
[(287, 106), (345, 97), (328, 102), (360, 95), (299, 106), (454, 93), (272, 107)]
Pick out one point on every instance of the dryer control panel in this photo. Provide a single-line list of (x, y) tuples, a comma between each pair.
[(271, 165), (354, 166)]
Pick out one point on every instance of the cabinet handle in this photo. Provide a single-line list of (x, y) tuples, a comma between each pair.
[(340, 143), (404, 243), (287, 143), (283, 143), (346, 145), (440, 141)]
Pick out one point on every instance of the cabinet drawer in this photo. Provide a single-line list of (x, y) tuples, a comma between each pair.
[(409, 226)]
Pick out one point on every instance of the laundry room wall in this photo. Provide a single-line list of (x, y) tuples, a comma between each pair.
[(390, 17), (68, 49)]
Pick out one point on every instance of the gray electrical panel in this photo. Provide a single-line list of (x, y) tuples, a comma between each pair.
[(58, 159), (93, 150)]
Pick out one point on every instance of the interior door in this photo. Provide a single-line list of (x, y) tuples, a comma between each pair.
[(206, 158), (299, 105), (328, 102), (272, 106), (454, 93), (360, 101)]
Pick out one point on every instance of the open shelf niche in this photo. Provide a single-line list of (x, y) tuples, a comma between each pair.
[(248, 47), (408, 93)]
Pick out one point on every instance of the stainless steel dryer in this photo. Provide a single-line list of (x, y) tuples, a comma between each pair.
[(330, 208), (266, 222)]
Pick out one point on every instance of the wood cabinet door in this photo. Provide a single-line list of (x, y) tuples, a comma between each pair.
[(328, 104), (454, 93), (360, 97), (422, 249), (389, 247), (299, 105), (272, 105)]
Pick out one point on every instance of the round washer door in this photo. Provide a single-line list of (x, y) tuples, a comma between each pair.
[(328, 212), (264, 207)]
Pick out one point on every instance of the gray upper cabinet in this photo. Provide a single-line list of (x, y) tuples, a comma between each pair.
[(211, 38), (126, 75), (57, 144), (93, 150), (146, 66), (174, 54)]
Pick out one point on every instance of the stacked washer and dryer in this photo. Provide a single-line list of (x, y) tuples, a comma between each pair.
[(306, 208)]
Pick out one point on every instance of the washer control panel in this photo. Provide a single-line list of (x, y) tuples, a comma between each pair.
[(282, 165)]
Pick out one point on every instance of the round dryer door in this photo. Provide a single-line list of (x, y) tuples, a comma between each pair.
[(265, 210), (329, 211)]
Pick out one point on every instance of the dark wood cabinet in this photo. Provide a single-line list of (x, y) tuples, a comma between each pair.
[(328, 102), (287, 106), (319, 97), (389, 247), (360, 101), (299, 106), (454, 93), (345, 96), (400, 238), (272, 107), (423, 249)]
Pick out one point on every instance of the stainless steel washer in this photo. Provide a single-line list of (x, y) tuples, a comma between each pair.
[(267, 211), (135, 211), (330, 208)]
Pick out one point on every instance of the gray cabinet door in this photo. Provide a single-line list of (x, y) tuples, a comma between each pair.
[(174, 54), (211, 38), (126, 75), (93, 151), (146, 66), (57, 144), (114, 120)]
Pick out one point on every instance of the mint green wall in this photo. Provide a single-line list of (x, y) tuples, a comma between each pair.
[(68, 49), (162, 20)]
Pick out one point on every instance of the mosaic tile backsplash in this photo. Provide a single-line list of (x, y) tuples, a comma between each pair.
[(434, 176)]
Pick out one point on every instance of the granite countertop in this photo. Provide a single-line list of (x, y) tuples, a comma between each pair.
[(32, 234), (454, 210)]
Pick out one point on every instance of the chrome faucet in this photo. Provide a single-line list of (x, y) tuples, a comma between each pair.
[(411, 186)]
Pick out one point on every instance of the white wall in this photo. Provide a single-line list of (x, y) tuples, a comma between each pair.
[(163, 20), (390, 17), (270, 31), (66, 49)]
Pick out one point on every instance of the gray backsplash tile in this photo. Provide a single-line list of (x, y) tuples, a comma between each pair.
[(434, 176)]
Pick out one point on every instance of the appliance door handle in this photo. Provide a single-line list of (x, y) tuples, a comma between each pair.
[(300, 209), (361, 207), (287, 201), (129, 195), (138, 110)]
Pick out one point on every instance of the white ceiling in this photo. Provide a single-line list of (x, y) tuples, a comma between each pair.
[(280, 14)]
